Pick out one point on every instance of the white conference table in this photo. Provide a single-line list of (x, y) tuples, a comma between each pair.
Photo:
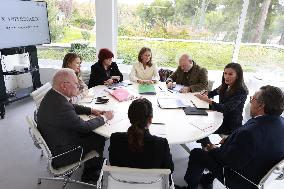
[(177, 127)]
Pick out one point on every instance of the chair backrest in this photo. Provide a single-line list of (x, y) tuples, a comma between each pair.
[(37, 138), (128, 178), (210, 85), (164, 74), (40, 92), (275, 173)]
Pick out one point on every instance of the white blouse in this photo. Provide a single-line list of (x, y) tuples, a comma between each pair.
[(138, 72)]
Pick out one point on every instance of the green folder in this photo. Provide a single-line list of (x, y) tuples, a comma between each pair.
[(146, 89)]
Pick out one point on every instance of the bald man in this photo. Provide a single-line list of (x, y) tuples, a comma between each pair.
[(193, 77), (63, 129)]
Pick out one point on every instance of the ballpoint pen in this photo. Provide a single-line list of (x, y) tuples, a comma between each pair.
[(193, 103), (170, 91), (160, 88), (158, 123)]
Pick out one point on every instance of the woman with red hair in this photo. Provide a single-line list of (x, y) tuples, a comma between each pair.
[(105, 71)]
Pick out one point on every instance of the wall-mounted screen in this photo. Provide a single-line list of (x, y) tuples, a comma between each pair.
[(23, 23)]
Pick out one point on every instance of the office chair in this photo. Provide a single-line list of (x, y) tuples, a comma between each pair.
[(128, 178), (210, 85), (38, 94), (62, 173), (276, 173)]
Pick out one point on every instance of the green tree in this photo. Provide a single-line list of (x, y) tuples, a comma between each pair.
[(56, 28)]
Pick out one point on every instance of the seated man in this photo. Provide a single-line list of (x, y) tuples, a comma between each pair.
[(63, 129), (189, 74), (252, 150)]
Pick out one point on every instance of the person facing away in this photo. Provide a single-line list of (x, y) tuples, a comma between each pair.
[(62, 128), (138, 148), (73, 61), (251, 150), (192, 76), (232, 96), (144, 71), (105, 71)]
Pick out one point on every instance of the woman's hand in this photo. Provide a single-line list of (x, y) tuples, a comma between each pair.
[(204, 97), (108, 82)]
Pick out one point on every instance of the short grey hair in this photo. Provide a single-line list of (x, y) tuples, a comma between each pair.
[(62, 75), (186, 55), (273, 100)]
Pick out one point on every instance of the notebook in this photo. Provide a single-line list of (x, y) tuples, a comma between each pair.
[(120, 94), (147, 89), (170, 103), (194, 111)]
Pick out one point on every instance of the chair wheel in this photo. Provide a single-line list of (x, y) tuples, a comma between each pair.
[(39, 181)]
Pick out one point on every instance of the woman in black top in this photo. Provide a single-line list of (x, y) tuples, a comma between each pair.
[(232, 96), (138, 148), (104, 72)]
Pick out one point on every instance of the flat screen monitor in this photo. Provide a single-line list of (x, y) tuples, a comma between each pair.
[(23, 23)]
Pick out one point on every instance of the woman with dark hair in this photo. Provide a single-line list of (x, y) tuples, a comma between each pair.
[(105, 71), (138, 148), (144, 71), (73, 61), (232, 96)]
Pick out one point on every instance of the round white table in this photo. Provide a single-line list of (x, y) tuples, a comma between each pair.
[(172, 124)]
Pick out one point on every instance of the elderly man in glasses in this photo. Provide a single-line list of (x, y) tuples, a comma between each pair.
[(63, 129)]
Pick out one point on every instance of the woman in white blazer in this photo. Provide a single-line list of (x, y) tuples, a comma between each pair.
[(144, 71)]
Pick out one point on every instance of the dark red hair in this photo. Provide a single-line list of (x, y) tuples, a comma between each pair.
[(105, 54)]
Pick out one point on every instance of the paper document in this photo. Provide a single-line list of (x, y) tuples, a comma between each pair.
[(86, 99), (196, 102), (170, 103), (158, 130), (202, 126)]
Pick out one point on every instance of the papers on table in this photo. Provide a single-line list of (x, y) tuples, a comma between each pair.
[(196, 102), (205, 127), (170, 103), (159, 130)]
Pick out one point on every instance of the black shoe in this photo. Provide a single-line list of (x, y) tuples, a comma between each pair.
[(90, 175), (206, 181), (181, 187)]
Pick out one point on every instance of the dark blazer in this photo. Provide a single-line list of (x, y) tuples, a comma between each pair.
[(232, 108), (252, 150), (60, 125), (156, 152), (99, 74), (196, 78)]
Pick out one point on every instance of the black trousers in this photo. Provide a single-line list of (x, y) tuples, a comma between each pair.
[(88, 142), (198, 161)]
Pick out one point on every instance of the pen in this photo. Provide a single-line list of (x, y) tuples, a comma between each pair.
[(160, 88), (193, 103), (157, 123), (170, 91)]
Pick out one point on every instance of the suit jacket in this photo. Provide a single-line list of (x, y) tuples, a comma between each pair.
[(156, 153), (232, 108), (99, 74), (196, 78), (252, 150), (60, 125)]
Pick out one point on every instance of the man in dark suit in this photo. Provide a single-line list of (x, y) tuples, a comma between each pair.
[(192, 76), (63, 129), (251, 150)]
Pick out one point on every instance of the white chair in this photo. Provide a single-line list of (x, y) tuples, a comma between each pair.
[(63, 173), (38, 94), (274, 175), (128, 178)]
